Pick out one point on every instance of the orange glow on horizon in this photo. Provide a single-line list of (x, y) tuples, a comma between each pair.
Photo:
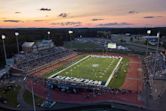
[(81, 13)]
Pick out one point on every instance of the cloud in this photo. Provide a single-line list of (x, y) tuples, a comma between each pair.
[(39, 20), (97, 19), (67, 23), (63, 15), (159, 16), (45, 9), (152, 17), (132, 12), (17, 12), (114, 24), (14, 21)]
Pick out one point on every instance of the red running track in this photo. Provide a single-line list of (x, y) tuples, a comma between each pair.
[(133, 82), (59, 96)]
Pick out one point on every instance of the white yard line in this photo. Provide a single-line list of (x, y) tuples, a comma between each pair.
[(69, 66), (110, 64), (113, 72)]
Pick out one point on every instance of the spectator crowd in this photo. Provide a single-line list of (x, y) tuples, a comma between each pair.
[(29, 61)]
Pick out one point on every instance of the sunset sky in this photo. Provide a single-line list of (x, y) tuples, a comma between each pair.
[(82, 13)]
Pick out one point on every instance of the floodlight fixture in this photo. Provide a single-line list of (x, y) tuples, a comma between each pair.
[(3, 37), (70, 31), (149, 32), (16, 34)]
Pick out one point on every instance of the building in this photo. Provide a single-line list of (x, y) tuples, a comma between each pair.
[(152, 40), (28, 47)]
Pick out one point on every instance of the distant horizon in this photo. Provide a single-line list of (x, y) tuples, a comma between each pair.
[(76, 27)]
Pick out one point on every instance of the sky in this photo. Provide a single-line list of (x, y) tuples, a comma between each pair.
[(82, 13)]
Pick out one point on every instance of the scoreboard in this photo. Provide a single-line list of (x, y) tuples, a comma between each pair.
[(112, 45)]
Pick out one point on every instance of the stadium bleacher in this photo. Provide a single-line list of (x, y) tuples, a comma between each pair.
[(29, 61), (155, 74), (155, 63), (78, 87)]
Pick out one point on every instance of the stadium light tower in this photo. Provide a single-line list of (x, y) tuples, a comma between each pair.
[(70, 33), (158, 43), (17, 34), (147, 45), (4, 48), (48, 34)]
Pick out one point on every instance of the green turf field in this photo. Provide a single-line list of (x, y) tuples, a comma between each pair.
[(93, 68), (79, 45), (47, 75), (119, 77), (96, 68)]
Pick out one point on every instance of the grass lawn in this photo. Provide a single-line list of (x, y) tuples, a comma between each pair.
[(119, 77), (28, 98), (80, 45), (92, 68), (10, 94)]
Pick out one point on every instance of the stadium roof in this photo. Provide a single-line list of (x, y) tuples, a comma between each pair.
[(149, 37), (28, 44), (44, 42)]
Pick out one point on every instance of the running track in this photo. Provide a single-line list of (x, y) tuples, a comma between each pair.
[(133, 82)]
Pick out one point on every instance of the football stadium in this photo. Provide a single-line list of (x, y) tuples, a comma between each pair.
[(82, 55), (83, 72), (70, 76)]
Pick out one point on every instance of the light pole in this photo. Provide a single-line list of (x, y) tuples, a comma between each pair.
[(70, 32), (158, 41), (48, 34), (17, 34), (4, 48), (32, 90), (147, 45), (33, 97)]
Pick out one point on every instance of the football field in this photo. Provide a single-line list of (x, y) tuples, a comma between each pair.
[(100, 68)]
